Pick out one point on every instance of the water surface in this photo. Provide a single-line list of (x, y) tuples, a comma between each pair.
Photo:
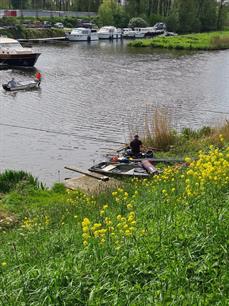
[(92, 93)]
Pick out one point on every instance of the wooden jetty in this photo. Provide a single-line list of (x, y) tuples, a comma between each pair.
[(90, 183), (43, 40)]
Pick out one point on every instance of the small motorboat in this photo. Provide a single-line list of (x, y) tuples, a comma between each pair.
[(119, 169), (26, 85), (142, 169)]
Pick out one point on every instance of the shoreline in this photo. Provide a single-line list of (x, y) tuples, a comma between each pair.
[(197, 41)]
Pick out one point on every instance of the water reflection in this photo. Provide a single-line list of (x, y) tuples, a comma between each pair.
[(92, 93)]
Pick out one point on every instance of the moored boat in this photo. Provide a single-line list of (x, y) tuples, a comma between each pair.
[(109, 32), (142, 169), (128, 33), (13, 54), (120, 169), (82, 34)]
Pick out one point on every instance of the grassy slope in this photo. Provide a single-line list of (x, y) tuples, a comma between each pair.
[(200, 41), (154, 242)]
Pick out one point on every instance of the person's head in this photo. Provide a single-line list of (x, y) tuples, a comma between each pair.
[(12, 79), (136, 137)]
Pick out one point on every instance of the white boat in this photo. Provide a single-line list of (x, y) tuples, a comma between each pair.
[(82, 34), (128, 33), (22, 85), (109, 32), (134, 33), (143, 32), (157, 29), (13, 54)]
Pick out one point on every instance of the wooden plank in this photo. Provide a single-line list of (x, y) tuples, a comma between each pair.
[(158, 160), (41, 39), (95, 176)]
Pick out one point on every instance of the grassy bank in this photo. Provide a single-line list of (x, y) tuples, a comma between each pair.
[(200, 41), (20, 32), (162, 241)]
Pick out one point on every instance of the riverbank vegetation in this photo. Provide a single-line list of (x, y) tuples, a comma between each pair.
[(21, 32), (42, 27), (157, 241), (199, 41), (158, 133), (36, 22)]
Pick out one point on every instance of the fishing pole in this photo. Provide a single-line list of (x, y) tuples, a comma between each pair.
[(61, 133)]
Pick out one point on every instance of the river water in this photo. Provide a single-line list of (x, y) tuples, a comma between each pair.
[(93, 94)]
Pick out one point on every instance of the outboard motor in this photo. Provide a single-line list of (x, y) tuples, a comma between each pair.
[(149, 167)]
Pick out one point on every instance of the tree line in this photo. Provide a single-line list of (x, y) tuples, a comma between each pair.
[(180, 15)]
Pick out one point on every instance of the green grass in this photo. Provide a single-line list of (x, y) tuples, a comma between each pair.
[(200, 41), (162, 241)]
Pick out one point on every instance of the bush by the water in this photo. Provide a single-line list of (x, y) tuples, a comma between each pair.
[(137, 22), (10, 179)]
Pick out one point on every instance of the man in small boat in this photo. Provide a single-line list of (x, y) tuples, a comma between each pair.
[(12, 83), (135, 146)]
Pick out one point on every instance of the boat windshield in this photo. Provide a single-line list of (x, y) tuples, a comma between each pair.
[(14, 45), (80, 31), (108, 29)]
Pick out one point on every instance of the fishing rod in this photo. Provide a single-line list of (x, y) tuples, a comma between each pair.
[(61, 133)]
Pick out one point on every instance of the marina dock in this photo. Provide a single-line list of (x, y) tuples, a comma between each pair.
[(43, 40)]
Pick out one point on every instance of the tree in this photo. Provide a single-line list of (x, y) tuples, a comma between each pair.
[(221, 14), (207, 15), (188, 16), (110, 12)]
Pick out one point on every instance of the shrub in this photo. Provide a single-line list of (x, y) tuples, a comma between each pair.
[(10, 180), (137, 22), (172, 23), (58, 188), (218, 42), (158, 131), (154, 18)]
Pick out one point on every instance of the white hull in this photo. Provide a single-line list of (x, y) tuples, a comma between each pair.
[(139, 35), (109, 36), (94, 37), (82, 34), (78, 37), (82, 37), (133, 35)]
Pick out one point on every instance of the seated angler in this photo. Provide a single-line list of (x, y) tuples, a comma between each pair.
[(135, 146)]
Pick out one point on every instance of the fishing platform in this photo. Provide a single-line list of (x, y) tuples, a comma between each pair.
[(92, 183)]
